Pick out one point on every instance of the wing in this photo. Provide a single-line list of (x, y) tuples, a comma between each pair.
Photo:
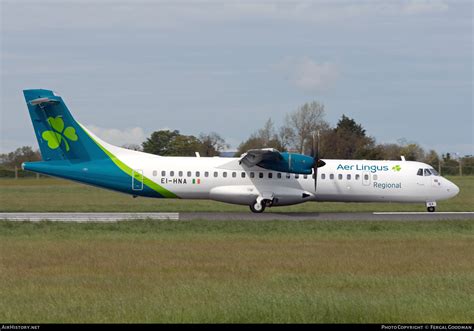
[(255, 156), (272, 159)]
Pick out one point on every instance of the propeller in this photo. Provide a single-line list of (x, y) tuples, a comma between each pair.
[(317, 163)]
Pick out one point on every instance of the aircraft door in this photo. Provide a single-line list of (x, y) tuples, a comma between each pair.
[(137, 180)]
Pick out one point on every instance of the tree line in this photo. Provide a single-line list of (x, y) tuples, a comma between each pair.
[(347, 140)]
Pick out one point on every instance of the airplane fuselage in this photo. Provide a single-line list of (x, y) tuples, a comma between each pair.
[(260, 178), (225, 179)]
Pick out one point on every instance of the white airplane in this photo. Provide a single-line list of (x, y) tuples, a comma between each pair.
[(259, 178)]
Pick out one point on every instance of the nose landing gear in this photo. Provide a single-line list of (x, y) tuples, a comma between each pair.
[(431, 206)]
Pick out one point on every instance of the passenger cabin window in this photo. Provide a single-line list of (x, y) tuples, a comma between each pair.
[(252, 174), (224, 174), (270, 175), (323, 176), (348, 176), (216, 174), (260, 175), (375, 177), (366, 177), (305, 176), (357, 177), (297, 176), (279, 175), (189, 174), (180, 174), (242, 175), (198, 174), (171, 173), (163, 173), (155, 173), (288, 175), (420, 172), (206, 174), (339, 176), (331, 176), (234, 174)]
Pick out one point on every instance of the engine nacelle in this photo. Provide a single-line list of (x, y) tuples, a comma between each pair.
[(294, 163)]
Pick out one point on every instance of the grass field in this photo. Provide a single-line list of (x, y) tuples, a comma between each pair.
[(203, 271), (48, 194), (145, 271)]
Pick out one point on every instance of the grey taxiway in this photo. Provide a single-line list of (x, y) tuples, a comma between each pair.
[(237, 216)]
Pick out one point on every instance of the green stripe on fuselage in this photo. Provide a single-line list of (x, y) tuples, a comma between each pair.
[(125, 168)]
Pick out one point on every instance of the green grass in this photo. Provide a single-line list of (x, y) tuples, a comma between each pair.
[(202, 271), (48, 194)]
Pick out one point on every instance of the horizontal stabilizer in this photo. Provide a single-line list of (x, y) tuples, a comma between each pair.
[(40, 101)]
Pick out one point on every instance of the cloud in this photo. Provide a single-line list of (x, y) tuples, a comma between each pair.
[(309, 75), (119, 137)]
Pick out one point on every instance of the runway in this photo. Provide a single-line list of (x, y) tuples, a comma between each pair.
[(229, 216)]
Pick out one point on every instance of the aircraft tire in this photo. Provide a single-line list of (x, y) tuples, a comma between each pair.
[(431, 209), (257, 207)]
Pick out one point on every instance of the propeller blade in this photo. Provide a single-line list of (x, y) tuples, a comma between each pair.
[(317, 161), (313, 149), (315, 155)]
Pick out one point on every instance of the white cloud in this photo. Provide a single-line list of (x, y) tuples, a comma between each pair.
[(309, 75), (119, 137)]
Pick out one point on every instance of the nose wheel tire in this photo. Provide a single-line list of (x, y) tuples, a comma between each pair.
[(257, 207), (431, 209)]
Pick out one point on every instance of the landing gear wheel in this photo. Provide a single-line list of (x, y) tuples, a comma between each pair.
[(431, 209), (257, 207)]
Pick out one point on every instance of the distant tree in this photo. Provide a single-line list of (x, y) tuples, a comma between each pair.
[(467, 163), (302, 124), (388, 152), (413, 152), (265, 137), (348, 140), (432, 158), (172, 143), (20, 155), (449, 166), (160, 142), (212, 144), (185, 146), (446, 157)]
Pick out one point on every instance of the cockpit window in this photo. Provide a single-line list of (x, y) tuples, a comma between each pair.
[(427, 172), (420, 172), (434, 172)]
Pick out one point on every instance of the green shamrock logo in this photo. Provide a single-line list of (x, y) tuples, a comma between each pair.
[(396, 168), (57, 135)]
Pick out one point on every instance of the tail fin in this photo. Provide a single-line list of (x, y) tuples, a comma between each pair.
[(59, 136)]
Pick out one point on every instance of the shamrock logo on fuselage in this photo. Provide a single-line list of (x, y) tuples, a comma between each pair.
[(55, 136), (396, 168)]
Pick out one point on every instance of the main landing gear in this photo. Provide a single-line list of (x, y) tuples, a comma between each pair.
[(431, 206), (260, 204)]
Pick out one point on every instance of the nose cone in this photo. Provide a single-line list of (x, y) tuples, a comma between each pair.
[(452, 189)]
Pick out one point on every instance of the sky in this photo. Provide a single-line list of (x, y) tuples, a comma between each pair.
[(402, 69)]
